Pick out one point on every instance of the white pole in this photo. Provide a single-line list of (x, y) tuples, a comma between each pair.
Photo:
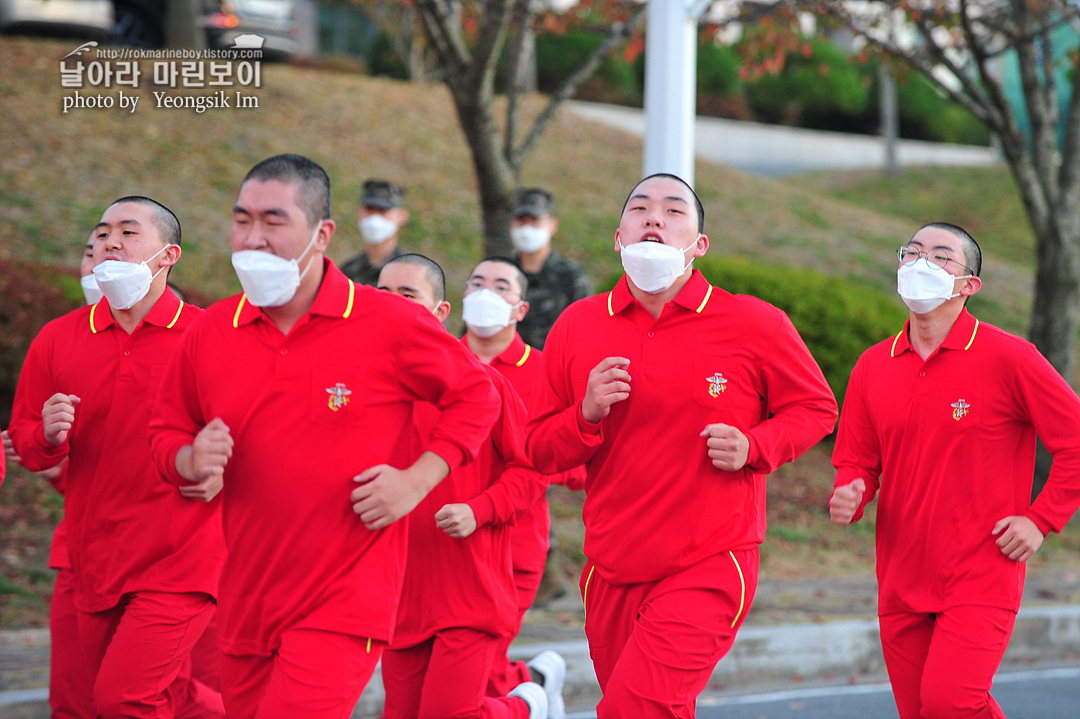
[(670, 85)]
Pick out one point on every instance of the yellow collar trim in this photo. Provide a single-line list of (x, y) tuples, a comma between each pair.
[(93, 311), (892, 352), (176, 316), (239, 307), (973, 331), (524, 357), (611, 312), (352, 295), (704, 301)]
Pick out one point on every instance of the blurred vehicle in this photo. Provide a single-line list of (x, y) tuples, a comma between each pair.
[(86, 19), (272, 20), (141, 23)]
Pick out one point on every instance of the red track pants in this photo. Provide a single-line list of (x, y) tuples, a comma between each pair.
[(943, 664), (655, 645), (445, 677)]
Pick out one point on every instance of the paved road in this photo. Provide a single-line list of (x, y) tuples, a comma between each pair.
[(778, 150), (1048, 693)]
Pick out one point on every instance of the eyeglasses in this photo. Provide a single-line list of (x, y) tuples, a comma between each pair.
[(908, 254), (504, 291)]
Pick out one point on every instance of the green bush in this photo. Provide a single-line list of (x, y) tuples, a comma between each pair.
[(718, 69), (837, 318), (926, 115), (813, 91), (30, 296), (558, 56)]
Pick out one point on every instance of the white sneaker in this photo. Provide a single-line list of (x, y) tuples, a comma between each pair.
[(551, 667), (534, 696)]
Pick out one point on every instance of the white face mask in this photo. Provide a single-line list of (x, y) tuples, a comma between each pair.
[(90, 289), (125, 283), (269, 280), (653, 266), (529, 238), (924, 287), (486, 313), (376, 229)]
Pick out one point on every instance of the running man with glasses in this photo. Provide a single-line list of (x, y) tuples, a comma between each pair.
[(940, 423)]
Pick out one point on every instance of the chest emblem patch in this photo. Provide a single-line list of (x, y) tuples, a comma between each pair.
[(960, 409), (717, 384), (339, 396)]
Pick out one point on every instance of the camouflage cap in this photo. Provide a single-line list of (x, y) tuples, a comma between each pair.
[(532, 201), (382, 195)]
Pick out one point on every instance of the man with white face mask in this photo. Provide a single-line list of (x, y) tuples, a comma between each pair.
[(458, 605), (679, 398), (381, 216), (144, 587), (297, 396), (940, 423), (554, 280), (493, 307)]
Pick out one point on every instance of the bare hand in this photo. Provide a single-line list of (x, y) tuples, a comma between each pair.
[(728, 447), (845, 501), (385, 495), (609, 382), (457, 520), (1020, 537), (58, 414), (205, 490), (9, 449), (210, 452)]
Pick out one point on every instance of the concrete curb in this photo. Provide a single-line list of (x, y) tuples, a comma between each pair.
[(761, 656)]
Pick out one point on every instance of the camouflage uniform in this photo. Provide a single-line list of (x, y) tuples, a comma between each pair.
[(359, 269), (551, 290)]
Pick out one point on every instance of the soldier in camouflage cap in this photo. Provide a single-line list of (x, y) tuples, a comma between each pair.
[(554, 280), (381, 214)]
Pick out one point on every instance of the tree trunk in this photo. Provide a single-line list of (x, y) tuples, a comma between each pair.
[(494, 175), (526, 64), (182, 25), (1055, 312), (890, 116)]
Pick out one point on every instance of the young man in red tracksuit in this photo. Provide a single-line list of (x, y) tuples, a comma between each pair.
[(144, 587), (459, 601), (297, 395), (491, 319), (679, 398), (71, 687), (940, 423)]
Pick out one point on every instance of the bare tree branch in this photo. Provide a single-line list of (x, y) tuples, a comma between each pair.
[(521, 18), (587, 68), (493, 24), (444, 30)]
